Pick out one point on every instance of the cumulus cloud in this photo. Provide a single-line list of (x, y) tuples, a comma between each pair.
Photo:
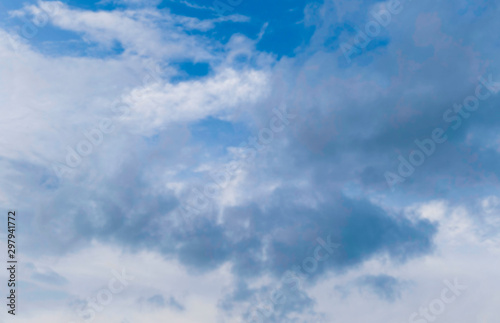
[(321, 176)]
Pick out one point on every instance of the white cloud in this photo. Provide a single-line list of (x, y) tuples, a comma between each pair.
[(143, 31), (194, 100)]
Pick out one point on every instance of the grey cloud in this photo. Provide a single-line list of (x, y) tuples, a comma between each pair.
[(385, 286)]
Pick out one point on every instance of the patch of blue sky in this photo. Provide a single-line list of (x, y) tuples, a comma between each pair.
[(53, 41), (203, 10), (219, 134), (212, 135), (94, 5), (189, 70), (223, 31), (284, 41), (364, 56), (284, 33)]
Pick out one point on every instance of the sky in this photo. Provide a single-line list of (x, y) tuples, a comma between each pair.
[(227, 161)]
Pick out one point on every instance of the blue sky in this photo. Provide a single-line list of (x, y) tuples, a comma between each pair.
[(252, 161)]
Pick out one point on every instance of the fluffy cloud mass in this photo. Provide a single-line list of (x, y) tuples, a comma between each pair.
[(238, 161)]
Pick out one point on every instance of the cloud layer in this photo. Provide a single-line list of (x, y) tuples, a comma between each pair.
[(215, 158)]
